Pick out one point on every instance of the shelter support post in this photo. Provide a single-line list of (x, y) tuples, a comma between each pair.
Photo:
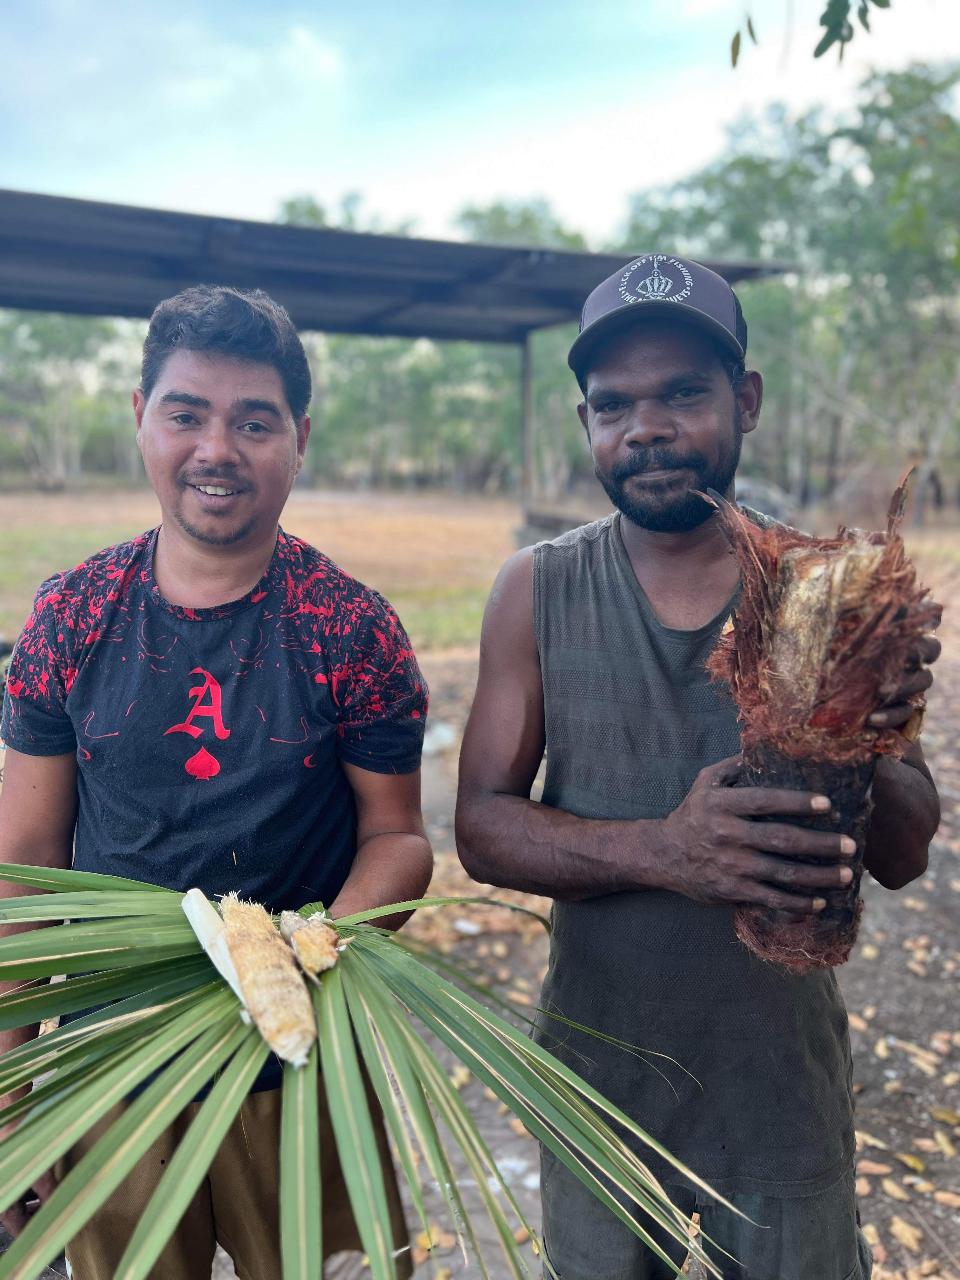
[(526, 430)]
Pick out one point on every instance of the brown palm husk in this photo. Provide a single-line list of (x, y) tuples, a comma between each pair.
[(822, 627)]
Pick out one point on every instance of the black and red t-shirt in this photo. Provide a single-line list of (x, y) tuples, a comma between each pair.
[(210, 742)]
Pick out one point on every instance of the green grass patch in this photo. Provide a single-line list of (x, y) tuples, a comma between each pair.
[(436, 615), (29, 554), (440, 617)]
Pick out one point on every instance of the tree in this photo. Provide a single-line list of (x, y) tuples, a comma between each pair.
[(838, 29), (859, 343), (50, 366), (529, 222)]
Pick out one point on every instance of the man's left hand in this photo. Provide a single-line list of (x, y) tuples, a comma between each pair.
[(897, 709)]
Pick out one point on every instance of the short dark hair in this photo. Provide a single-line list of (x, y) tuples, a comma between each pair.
[(733, 366), (243, 323)]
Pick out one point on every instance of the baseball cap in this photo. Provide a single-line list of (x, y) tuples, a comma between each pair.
[(658, 284)]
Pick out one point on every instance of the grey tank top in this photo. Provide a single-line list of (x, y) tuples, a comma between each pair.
[(744, 1070)]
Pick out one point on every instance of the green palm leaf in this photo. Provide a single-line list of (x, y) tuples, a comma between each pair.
[(40, 1140), (26, 1005), (192, 1159), (103, 1168), (99, 1032), (301, 1218), (58, 880), (78, 948), (89, 905), (380, 1020), (353, 1127), (156, 1004)]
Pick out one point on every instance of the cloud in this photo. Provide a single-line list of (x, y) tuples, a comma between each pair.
[(231, 117), (588, 162)]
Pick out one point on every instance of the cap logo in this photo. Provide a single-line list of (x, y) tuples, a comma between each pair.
[(644, 281)]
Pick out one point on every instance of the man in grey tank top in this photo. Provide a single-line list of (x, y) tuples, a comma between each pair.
[(593, 651)]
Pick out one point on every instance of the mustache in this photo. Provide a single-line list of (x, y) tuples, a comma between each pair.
[(655, 458), (227, 473)]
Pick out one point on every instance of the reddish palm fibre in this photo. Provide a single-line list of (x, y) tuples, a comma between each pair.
[(867, 632), (822, 627)]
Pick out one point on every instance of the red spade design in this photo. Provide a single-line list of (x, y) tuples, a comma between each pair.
[(203, 765)]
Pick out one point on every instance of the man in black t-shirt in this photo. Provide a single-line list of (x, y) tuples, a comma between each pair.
[(216, 704)]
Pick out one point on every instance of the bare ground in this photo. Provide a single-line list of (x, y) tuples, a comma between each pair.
[(900, 984)]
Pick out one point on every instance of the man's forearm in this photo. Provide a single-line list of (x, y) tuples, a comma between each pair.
[(392, 867), (516, 843), (18, 850), (13, 1037), (905, 817)]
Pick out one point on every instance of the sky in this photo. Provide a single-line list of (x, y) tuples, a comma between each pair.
[(425, 106)]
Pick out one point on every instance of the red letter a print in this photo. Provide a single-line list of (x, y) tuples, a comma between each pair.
[(207, 701)]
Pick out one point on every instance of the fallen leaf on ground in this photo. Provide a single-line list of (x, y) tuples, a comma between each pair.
[(950, 1198), (435, 1238), (908, 1236), (946, 1115), (872, 1166), (912, 1162), (926, 1144), (944, 1143), (865, 1139), (459, 1076), (894, 1190)]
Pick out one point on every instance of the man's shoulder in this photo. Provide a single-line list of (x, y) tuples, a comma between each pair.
[(583, 535), (319, 587)]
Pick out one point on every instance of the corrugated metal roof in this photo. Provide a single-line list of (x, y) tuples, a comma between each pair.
[(86, 257)]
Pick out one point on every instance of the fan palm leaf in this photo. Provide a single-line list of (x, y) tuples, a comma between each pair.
[(161, 1025)]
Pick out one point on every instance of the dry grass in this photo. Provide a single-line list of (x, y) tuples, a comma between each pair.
[(433, 555)]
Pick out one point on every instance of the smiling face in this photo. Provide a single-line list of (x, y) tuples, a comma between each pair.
[(664, 421), (220, 447)]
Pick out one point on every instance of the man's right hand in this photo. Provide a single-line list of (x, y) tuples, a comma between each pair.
[(713, 852), (18, 1215), (37, 808)]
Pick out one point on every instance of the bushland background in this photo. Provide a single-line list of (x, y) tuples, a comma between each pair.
[(411, 485)]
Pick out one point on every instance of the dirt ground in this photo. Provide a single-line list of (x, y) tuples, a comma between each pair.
[(900, 985)]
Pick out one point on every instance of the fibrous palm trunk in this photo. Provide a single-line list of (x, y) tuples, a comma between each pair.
[(822, 626)]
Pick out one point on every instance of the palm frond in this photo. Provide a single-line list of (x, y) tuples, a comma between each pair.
[(192, 1159), (301, 1218), (160, 1023)]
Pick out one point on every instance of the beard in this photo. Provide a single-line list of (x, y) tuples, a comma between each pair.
[(228, 539), (663, 508), (230, 535)]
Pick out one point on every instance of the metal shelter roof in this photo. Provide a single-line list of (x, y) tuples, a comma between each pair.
[(82, 256)]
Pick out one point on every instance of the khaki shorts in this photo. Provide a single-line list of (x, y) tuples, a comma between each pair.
[(236, 1205)]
